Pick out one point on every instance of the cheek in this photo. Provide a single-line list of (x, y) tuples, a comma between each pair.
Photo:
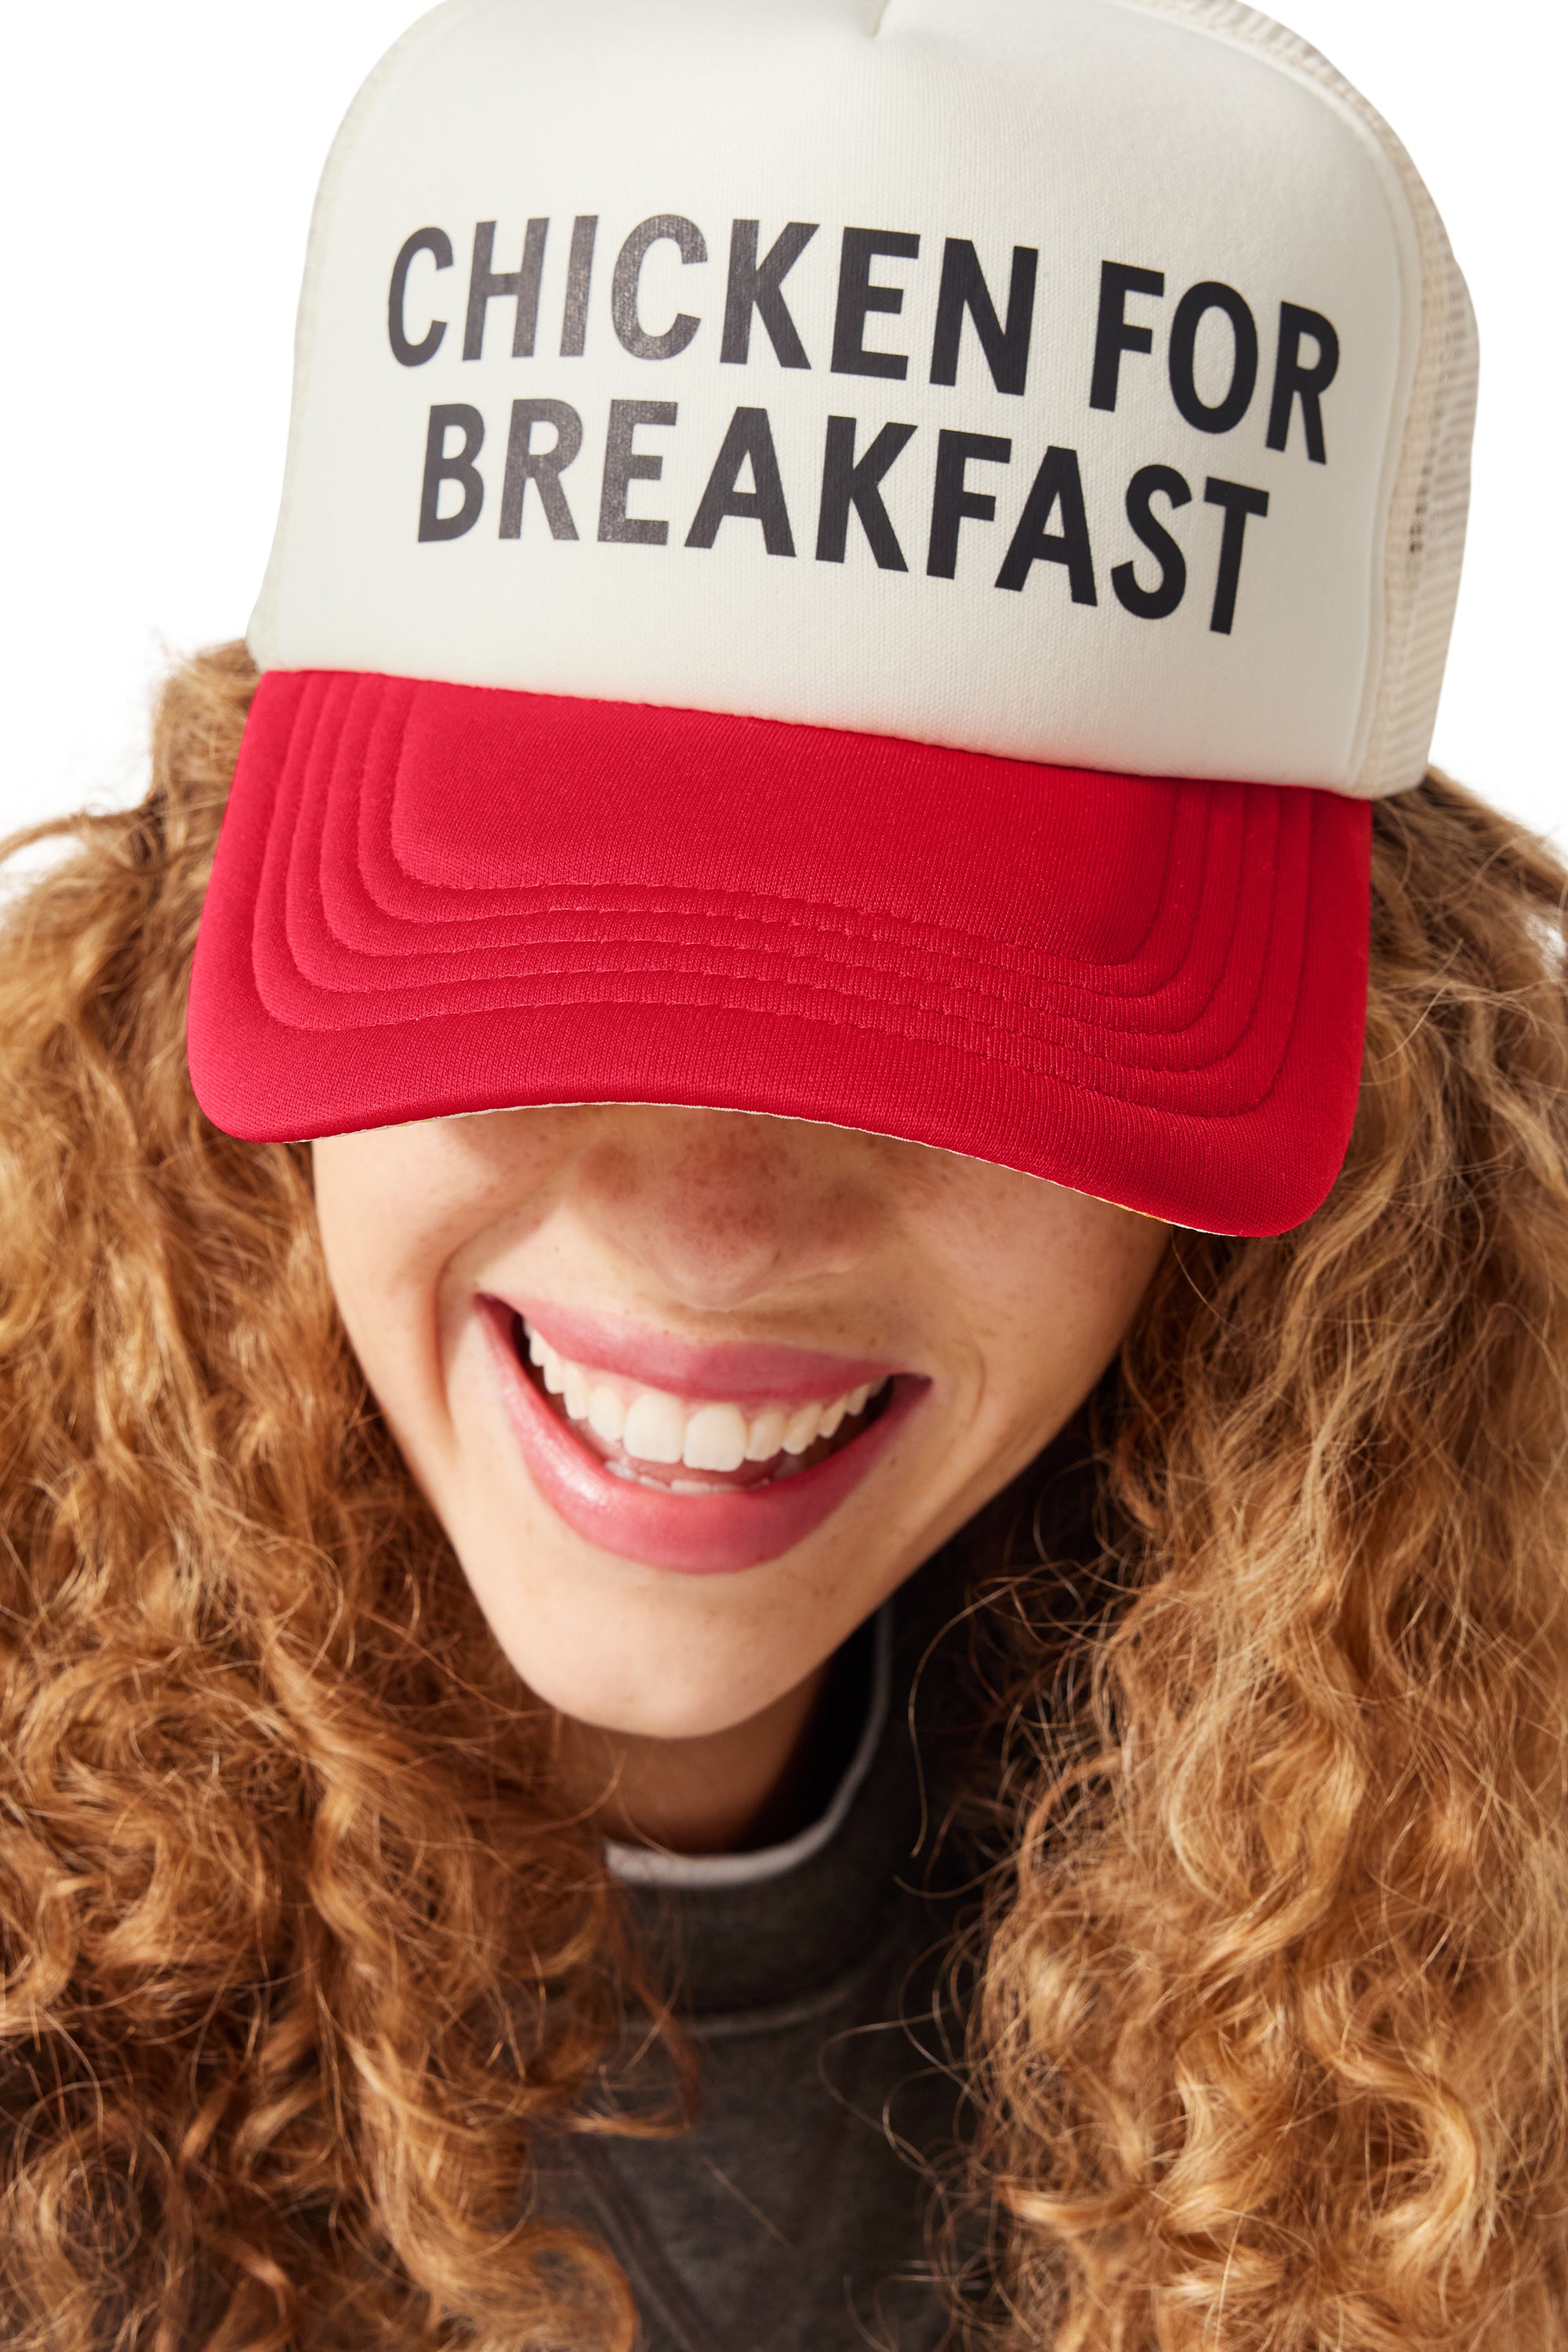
[(381, 1242), (396, 1209), (1090, 1283), (1050, 1279)]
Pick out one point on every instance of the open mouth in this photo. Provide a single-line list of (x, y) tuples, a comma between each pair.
[(700, 1459), (658, 1439)]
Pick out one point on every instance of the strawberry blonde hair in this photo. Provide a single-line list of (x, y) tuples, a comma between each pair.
[(297, 1954)]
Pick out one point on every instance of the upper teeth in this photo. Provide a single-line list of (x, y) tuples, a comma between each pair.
[(652, 1426)]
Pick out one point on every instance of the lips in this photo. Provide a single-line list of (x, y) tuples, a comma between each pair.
[(750, 1374), (676, 1514)]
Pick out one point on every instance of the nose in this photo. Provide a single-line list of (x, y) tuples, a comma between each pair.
[(725, 1208)]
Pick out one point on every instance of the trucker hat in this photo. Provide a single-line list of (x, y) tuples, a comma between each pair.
[(860, 559)]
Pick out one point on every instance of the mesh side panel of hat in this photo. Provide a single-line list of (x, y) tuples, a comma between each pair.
[(1431, 493)]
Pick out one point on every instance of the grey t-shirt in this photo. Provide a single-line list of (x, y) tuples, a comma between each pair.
[(790, 2217)]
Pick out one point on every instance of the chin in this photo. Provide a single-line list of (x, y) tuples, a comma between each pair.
[(625, 1698), (632, 1652), (601, 1660)]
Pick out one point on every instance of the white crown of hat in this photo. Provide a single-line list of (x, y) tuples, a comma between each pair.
[(1081, 381)]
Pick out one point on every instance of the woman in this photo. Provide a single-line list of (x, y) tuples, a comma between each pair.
[(813, 1630)]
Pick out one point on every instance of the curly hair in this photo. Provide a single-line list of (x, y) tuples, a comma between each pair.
[(299, 1951), (294, 1958), (1271, 2047)]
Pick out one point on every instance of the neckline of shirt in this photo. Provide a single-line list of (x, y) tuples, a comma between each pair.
[(641, 1865)]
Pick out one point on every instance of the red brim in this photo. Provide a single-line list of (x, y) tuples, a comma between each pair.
[(431, 899)]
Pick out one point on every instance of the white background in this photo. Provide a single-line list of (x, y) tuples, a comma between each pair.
[(157, 175)]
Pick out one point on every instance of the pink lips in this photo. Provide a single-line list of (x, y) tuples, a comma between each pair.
[(749, 1374), (716, 1534)]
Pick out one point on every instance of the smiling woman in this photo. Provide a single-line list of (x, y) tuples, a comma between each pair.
[(313, 1960), (901, 1381), (783, 1345)]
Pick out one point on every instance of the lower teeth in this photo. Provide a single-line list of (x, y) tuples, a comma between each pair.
[(693, 1486)]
